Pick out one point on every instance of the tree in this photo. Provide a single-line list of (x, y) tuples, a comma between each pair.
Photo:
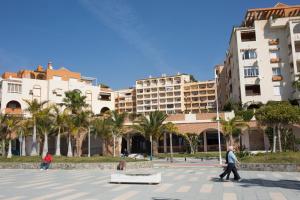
[(2, 133), (102, 127), (25, 129), (74, 101), (60, 122), (171, 129), (232, 126), (11, 124), (278, 115), (152, 126), (117, 123), (34, 107), (45, 121), (193, 140)]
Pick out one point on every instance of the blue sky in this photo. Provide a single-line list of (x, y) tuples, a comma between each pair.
[(119, 41)]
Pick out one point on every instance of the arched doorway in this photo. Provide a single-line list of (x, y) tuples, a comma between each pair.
[(211, 141), (13, 107), (104, 110), (140, 144)]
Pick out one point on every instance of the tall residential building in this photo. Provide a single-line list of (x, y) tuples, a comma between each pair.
[(200, 96), (163, 93), (125, 100), (263, 58), (50, 85)]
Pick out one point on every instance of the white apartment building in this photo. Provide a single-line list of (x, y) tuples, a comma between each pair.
[(125, 100), (50, 85), (163, 93), (263, 58)]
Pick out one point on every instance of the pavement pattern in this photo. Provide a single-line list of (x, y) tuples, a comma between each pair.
[(180, 183)]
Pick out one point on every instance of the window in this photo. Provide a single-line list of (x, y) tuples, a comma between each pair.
[(276, 71), (252, 90), (14, 88), (277, 90), (274, 54), (249, 54), (247, 36), (251, 71)]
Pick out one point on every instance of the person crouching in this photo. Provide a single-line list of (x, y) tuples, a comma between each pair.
[(46, 161)]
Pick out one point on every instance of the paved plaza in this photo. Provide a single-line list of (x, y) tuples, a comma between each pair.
[(185, 183)]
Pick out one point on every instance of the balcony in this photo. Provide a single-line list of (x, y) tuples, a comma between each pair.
[(273, 41), (278, 22), (274, 60), (277, 78)]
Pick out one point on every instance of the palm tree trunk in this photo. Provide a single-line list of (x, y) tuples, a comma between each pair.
[(9, 153), (34, 145), (57, 152), (45, 147), (171, 147), (155, 147), (274, 138), (3, 147), (151, 148), (114, 145), (279, 138), (165, 142), (24, 146), (69, 154), (231, 139)]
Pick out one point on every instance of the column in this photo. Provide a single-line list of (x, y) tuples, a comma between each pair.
[(128, 140), (205, 141)]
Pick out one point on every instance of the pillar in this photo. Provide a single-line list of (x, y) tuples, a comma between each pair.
[(129, 142), (205, 141), (165, 142)]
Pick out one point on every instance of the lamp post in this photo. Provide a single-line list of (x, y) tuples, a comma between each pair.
[(218, 118)]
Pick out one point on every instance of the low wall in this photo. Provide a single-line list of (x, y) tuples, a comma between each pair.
[(100, 166), (270, 167)]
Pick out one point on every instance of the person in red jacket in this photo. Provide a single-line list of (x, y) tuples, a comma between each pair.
[(46, 161)]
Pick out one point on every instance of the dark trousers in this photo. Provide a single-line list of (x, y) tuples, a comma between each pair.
[(231, 167), (45, 165)]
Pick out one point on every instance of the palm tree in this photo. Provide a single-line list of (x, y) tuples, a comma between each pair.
[(152, 126), (81, 121), (34, 107), (60, 120), (231, 126), (44, 123), (2, 133), (117, 122), (11, 124), (24, 129), (171, 129), (74, 101), (102, 127)]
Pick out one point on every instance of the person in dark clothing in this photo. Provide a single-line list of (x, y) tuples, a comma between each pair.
[(232, 160), (227, 177)]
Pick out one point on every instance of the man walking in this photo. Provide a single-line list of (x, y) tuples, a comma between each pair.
[(232, 160)]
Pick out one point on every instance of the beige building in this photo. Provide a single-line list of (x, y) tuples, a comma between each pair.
[(200, 96), (163, 93), (263, 58), (125, 100)]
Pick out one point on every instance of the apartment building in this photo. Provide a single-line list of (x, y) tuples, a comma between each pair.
[(50, 85), (200, 96), (163, 93), (125, 100), (263, 58)]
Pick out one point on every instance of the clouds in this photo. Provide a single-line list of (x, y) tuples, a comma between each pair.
[(122, 19)]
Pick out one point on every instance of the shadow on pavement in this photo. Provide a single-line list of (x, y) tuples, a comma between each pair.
[(163, 198), (287, 184)]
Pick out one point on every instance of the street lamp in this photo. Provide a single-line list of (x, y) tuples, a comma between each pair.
[(218, 118)]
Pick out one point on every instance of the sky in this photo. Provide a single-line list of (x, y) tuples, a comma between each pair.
[(120, 41)]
